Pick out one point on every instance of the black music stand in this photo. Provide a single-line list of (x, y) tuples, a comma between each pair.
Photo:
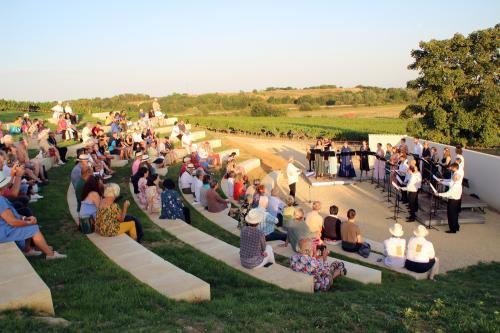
[(396, 203)]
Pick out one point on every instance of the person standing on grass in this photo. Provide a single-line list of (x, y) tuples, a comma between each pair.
[(292, 173)]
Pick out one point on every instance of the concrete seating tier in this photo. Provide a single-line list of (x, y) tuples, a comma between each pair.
[(356, 272), (249, 165), (225, 153), (73, 148), (198, 135), (100, 115), (34, 143), (20, 285), (117, 163), (146, 266), (168, 129), (275, 274)]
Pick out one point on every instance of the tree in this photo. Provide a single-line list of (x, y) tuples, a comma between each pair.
[(458, 97), (261, 109)]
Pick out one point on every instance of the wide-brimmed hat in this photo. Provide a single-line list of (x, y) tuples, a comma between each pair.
[(83, 157), (421, 231), (396, 230), (187, 159), (4, 180), (190, 165), (254, 216), (145, 157)]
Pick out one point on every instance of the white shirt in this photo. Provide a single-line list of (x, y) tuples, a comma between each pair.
[(292, 173), (86, 134), (175, 131), (461, 166), (193, 182), (68, 109), (417, 149), (394, 251), (414, 182), (202, 152), (420, 250), (455, 190), (198, 184), (186, 180), (230, 187), (186, 140), (137, 137), (403, 166)]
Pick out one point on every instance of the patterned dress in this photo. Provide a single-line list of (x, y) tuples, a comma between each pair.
[(321, 271), (171, 205), (107, 223), (142, 186), (153, 199)]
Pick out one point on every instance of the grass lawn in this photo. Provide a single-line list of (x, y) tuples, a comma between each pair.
[(96, 295)]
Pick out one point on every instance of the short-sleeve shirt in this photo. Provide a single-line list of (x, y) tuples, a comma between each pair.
[(9, 233), (314, 221), (420, 250), (394, 250), (350, 232)]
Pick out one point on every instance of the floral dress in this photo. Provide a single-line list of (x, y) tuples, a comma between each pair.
[(171, 205), (153, 199), (322, 272), (142, 186), (106, 223)]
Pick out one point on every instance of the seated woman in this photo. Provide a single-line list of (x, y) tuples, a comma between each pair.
[(238, 188), (92, 192), (260, 191), (323, 273), (22, 229), (142, 185), (394, 247), (254, 252), (297, 229), (351, 234), (215, 202), (230, 184), (420, 254), (288, 211), (204, 190), (171, 204), (153, 194), (110, 220)]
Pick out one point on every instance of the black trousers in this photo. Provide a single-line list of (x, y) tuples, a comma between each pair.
[(413, 203), (292, 189), (138, 226), (187, 215), (453, 210), (62, 153)]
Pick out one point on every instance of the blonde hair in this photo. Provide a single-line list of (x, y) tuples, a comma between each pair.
[(305, 247), (111, 190)]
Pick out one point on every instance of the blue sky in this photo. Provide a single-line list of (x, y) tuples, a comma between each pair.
[(68, 49)]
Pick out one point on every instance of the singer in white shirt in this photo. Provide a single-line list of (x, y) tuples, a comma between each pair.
[(292, 173), (454, 196)]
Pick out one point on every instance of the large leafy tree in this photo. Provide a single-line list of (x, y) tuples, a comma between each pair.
[(458, 89)]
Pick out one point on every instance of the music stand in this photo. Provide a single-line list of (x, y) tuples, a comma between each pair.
[(434, 196), (396, 204)]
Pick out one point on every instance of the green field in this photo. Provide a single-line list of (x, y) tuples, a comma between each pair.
[(308, 127), (95, 295)]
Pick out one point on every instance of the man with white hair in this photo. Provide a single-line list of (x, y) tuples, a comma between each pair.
[(292, 173), (187, 142), (269, 222), (57, 110)]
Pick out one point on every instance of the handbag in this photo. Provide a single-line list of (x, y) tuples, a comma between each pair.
[(87, 224)]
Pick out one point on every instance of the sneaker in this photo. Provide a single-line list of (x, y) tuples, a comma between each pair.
[(36, 196), (61, 163), (33, 200), (56, 255), (106, 176), (32, 253)]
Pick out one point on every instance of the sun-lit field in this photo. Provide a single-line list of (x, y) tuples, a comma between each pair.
[(348, 111)]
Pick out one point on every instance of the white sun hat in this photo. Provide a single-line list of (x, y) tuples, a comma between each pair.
[(254, 216), (421, 231), (396, 230)]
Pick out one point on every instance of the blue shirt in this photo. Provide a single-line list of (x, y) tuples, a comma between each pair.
[(267, 226), (171, 205), (115, 127)]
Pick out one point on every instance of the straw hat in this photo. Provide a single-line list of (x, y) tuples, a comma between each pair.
[(83, 157), (4, 180), (187, 159), (254, 216), (421, 231), (396, 230), (190, 166), (145, 158)]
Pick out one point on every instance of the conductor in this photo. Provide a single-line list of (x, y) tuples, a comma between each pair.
[(454, 195)]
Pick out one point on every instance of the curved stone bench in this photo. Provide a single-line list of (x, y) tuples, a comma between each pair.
[(146, 266), (230, 255), (20, 285), (168, 129), (248, 165), (117, 163)]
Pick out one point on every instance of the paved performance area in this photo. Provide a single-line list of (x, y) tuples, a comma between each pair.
[(474, 243)]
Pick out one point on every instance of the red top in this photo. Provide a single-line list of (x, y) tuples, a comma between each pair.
[(239, 190)]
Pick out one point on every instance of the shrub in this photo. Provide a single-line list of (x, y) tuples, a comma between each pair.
[(261, 109), (306, 107)]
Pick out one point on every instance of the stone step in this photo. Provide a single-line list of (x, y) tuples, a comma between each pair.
[(224, 154), (198, 135), (20, 285), (146, 266), (249, 165), (355, 272), (117, 163), (168, 129), (275, 274)]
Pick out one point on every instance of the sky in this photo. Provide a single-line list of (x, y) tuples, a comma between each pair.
[(58, 50)]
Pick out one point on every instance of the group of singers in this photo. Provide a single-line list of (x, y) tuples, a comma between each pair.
[(397, 164), (326, 160)]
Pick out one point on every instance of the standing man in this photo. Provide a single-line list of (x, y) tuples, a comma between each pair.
[(292, 173), (417, 147), (454, 196), (412, 188)]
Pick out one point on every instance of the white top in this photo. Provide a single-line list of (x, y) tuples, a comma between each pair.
[(230, 187), (186, 140), (186, 180), (461, 166), (417, 149), (161, 147), (137, 137), (414, 182), (420, 250), (68, 109), (394, 251), (175, 131), (455, 190), (202, 152), (198, 184), (403, 166), (86, 134), (193, 180), (292, 173)]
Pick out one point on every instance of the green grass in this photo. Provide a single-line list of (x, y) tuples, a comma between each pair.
[(308, 127), (96, 295)]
